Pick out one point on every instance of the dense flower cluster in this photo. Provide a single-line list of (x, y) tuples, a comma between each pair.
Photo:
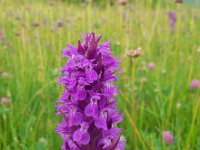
[(194, 84), (88, 102), (168, 138)]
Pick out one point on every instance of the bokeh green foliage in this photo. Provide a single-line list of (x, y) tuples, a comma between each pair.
[(30, 57)]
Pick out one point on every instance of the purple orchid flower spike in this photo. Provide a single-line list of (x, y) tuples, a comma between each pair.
[(88, 104)]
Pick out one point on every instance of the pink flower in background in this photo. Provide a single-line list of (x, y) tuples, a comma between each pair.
[(168, 137), (151, 66), (4, 100), (194, 84), (59, 23)]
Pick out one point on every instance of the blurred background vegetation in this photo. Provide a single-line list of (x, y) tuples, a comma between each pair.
[(156, 89)]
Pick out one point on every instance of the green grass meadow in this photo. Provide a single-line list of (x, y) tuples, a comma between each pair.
[(152, 101)]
